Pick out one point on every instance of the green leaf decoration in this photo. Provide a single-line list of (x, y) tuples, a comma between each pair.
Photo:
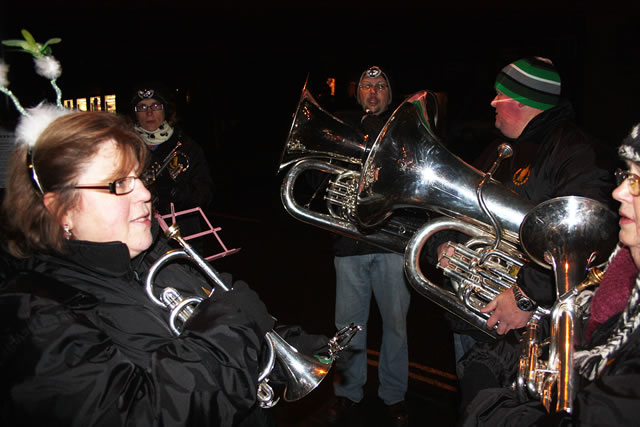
[(16, 43), (28, 37), (29, 44)]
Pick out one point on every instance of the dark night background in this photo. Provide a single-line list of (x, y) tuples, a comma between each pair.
[(242, 65)]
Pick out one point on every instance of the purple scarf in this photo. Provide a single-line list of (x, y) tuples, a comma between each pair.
[(613, 293)]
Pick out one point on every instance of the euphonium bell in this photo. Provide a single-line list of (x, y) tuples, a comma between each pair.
[(408, 166), (317, 134), (570, 235)]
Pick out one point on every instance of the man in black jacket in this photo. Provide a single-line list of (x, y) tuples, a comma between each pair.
[(363, 270), (552, 157)]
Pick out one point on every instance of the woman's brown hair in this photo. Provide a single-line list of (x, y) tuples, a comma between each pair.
[(60, 154)]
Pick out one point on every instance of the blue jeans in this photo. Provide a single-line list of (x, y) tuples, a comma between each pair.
[(357, 278)]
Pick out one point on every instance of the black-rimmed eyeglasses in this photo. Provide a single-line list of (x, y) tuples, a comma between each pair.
[(633, 181), (143, 108), (119, 187)]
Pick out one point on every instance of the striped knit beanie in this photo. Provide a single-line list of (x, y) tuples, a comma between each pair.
[(531, 81), (630, 147)]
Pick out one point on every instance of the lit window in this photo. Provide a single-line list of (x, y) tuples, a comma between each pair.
[(110, 103), (82, 104), (68, 104), (96, 103)]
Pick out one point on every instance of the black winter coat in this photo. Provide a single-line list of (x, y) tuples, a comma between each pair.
[(191, 188), (83, 345), (612, 399), (552, 157)]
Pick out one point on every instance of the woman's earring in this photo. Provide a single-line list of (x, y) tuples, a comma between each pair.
[(67, 231)]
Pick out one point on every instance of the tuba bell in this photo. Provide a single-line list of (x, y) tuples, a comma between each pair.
[(571, 235)]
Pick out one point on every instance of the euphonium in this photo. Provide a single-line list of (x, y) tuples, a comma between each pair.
[(304, 372), (570, 234)]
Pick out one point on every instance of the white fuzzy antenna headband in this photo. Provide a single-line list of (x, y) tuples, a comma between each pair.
[(34, 120)]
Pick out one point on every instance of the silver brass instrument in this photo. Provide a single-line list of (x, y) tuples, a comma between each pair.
[(304, 373), (176, 161), (407, 168), (321, 142), (570, 234)]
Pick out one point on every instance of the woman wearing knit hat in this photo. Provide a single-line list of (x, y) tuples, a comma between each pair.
[(609, 364), (180, 177)]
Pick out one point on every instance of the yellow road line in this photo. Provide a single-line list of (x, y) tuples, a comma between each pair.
[(419, 377)]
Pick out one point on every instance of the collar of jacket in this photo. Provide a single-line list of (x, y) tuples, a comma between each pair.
[(109, 259), (546, 121)]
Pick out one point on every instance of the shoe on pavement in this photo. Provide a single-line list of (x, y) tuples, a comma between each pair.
[(398, 414), (338, 409)]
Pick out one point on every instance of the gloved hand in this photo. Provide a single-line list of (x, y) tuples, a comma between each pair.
[(248, 302), (239, 299)]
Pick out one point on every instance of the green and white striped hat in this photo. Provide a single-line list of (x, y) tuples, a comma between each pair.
[(531, 81)]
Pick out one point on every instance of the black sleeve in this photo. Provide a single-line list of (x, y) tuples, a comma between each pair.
[(581, 167), (608, 401), (575, 167), (70, 372), (538, 284), (500, 407), (430, 250), (195, 186)]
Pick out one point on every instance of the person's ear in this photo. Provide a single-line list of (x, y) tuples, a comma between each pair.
[(50, 201)]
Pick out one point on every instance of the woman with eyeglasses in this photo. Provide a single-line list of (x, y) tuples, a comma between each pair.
[(82, 343), (608, 366), (179, 173)]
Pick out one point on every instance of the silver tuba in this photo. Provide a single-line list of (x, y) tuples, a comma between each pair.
[(570, 235), (318, 142), (304, 372), (407, 169)]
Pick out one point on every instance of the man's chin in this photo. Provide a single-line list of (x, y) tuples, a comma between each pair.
[(373, 110)]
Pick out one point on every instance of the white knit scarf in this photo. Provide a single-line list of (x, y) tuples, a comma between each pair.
[(158, 136)]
